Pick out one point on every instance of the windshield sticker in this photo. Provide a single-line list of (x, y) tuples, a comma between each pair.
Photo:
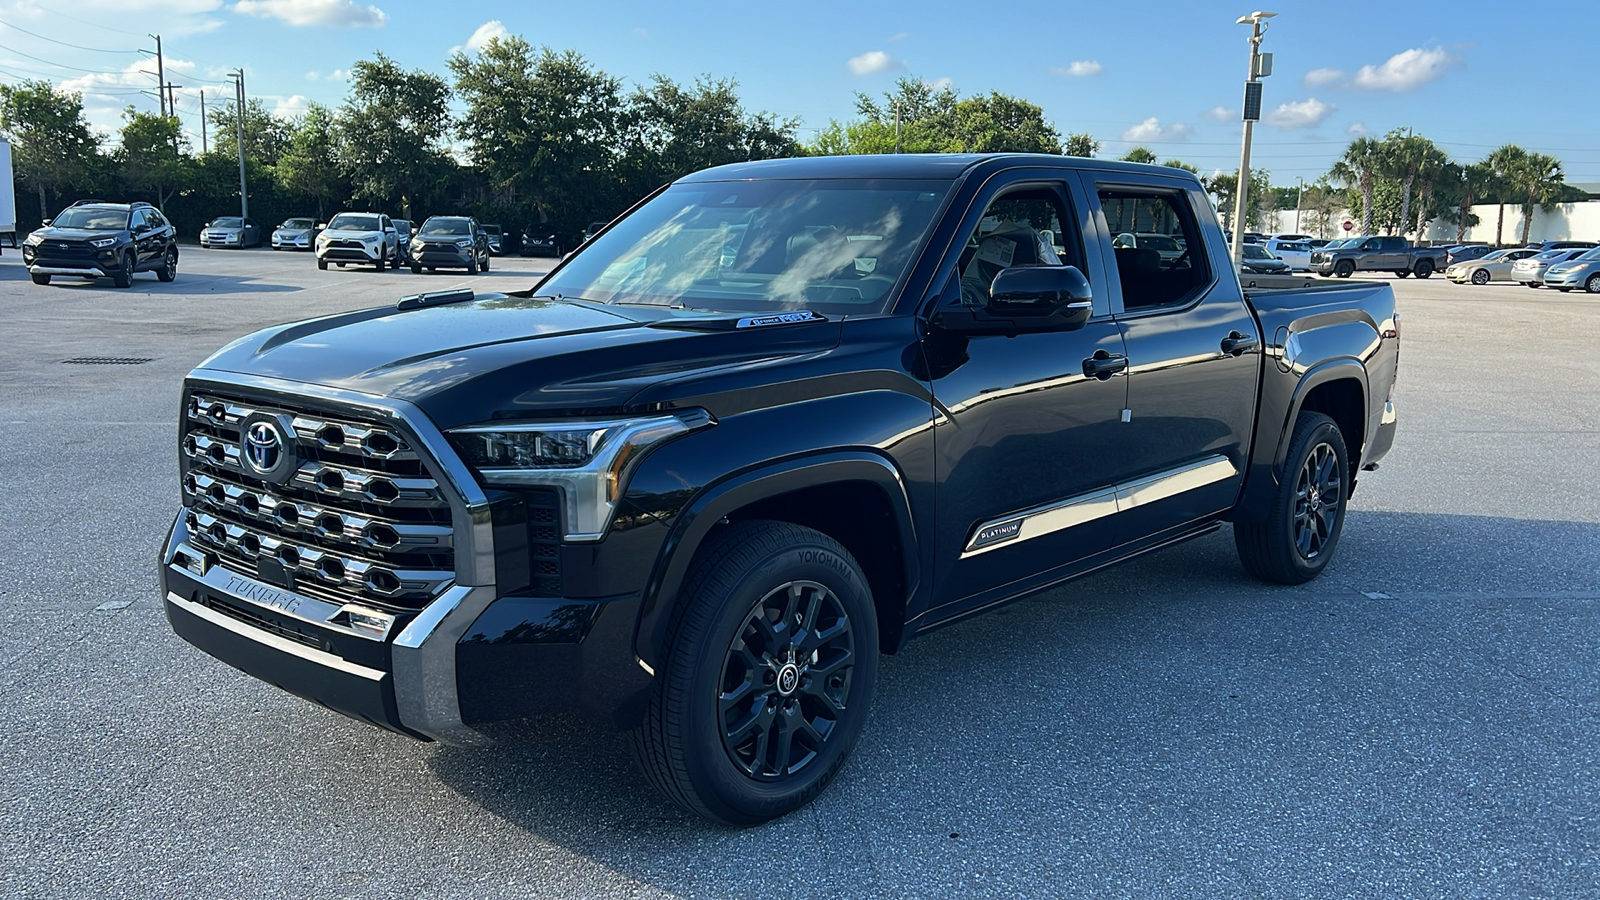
[(997, 250)]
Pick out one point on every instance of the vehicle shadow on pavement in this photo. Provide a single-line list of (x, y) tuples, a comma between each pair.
[(1169, 723)]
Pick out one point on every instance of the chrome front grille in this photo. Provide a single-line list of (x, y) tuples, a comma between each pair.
[(362, 518)]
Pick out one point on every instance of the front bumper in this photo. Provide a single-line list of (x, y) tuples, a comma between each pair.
[(1575, 278), (362, 254), (439, 259), (219, 240), (295, 243)]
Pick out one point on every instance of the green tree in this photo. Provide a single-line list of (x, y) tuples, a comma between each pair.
[(1465, 184), (392, 129), (1503, 164), (309, 163), (673, 130), (1433, 174), (1322, 202), (1080, 144), (1177, 164), (53, 148), (1359, 168), (1140, 154), (936, 120), (265, 136), (1540, 182), (151, 156), (1224, 188)]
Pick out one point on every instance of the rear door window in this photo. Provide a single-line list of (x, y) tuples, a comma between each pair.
[(1153, 279)]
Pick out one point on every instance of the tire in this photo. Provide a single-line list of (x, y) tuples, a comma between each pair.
[(322, 264), (431, 270), (1424, 268), (1564, 290), (1344, 268), (40, 278), (1532, 284), (395, 262), (1480, 276), (1593, 284), (169, 266), (124, 276), (472, 265), (1298, 537), (1402, 273), (416, 270), (486, 261), (745, 583)]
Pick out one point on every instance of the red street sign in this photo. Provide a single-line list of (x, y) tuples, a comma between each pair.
[(1348, 224)]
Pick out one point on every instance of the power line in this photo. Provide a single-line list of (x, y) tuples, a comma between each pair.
[(59, 65), (63, 43), (86, 22)]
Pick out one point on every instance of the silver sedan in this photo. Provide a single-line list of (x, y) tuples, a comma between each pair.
[(1583, 272), (1495, 266)]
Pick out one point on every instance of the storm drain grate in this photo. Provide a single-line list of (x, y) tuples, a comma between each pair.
[(108, 360)]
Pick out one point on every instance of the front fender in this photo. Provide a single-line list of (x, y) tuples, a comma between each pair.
[(696, 519)]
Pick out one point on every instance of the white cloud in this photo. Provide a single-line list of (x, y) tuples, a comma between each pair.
[(1079, 69), (1323, 77), (899, 36), (1300, 114), (287, 107), (1405, 71), (1220, 113), (339, 75), (342, 13), (639, 33), (488, 31), (1356, 129), (940, 84), (874, 61), (1151, 130)]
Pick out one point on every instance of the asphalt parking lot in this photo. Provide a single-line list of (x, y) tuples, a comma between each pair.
[(1422, 721)]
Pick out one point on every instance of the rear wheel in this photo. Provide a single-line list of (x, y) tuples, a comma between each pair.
[(1401, 273), (1480, 276), (1424, 268), (1298, 537), (1344, 268), (774, 654), (40, 278), (169, 266)]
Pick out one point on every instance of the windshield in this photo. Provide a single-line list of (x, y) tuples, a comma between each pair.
[(445, 226), (91, 219), (825, 245), (1551, 254), (297, 223), (1590, 254), (1157, 242), (227, 223), (349, 222), (1256, 251)]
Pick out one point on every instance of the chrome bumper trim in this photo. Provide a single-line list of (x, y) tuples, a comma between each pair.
[(92, 271), (310, 654)]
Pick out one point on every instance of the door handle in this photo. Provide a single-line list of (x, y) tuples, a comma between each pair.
[(1103, 365), (1236, 343)]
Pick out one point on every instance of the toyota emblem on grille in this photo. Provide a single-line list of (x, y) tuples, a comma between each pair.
[(263, 447)]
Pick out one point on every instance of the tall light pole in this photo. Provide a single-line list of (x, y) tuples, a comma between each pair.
[(238, 95), (1260, 67)]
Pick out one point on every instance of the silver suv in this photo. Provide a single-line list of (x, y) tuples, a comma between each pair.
[(360, 239)]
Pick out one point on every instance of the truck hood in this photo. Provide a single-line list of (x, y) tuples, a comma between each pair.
[(513, 355), (74, 234)]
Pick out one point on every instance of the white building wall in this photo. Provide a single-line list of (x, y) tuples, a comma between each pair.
[(1570, 221)]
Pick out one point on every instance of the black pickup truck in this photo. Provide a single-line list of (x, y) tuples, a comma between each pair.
[(1378, 254), (774, 422)]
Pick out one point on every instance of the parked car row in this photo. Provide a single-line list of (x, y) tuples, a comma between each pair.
[(1562, 265)]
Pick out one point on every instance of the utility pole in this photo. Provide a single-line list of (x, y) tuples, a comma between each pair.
[(161, 76), (172, 107), (1260, 67), (238, 88), (1299, 200), (203, 148)]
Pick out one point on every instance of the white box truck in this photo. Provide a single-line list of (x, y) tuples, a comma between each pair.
[(8, 196)]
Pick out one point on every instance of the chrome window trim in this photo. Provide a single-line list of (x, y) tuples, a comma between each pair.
[(1084, 508), (423, 656), (310, 654)]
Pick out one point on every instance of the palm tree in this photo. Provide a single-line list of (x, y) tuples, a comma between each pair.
[(1502, 163), (1359, 167), (1538, 181), (1433, 166), (1403, 154), (1470, 182)]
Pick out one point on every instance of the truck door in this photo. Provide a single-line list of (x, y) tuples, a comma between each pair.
[(1194, 356), (1028, 434)]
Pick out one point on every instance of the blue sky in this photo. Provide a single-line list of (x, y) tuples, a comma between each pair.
[(1168, 74)]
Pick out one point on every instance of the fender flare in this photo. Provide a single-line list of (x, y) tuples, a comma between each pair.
[(771, 479), (1264, 476)]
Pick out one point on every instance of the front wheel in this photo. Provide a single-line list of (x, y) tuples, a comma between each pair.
[(1532, 284), (472, 265), (416, 270), (1480, 276), (123, 277), (1298, 537), (486, 262), (772, 662), (40, 278), (1593, 284), (169, 266), (322, 264)]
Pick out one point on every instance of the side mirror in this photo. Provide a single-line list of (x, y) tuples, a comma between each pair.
[(1026, 300), (46, 223)]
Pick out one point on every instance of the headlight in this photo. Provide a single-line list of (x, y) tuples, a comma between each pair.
[(35, 239), (375, 236), (588, 461), (104, 242), (464, 244)]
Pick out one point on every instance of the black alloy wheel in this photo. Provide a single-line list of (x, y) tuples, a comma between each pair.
[(1297, 537), (785, 680), (123, 277), (169, 266), (486, 256), (772, 659), (1480, 276)]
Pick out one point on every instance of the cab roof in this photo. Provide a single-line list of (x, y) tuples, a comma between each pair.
[(929, 166)]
